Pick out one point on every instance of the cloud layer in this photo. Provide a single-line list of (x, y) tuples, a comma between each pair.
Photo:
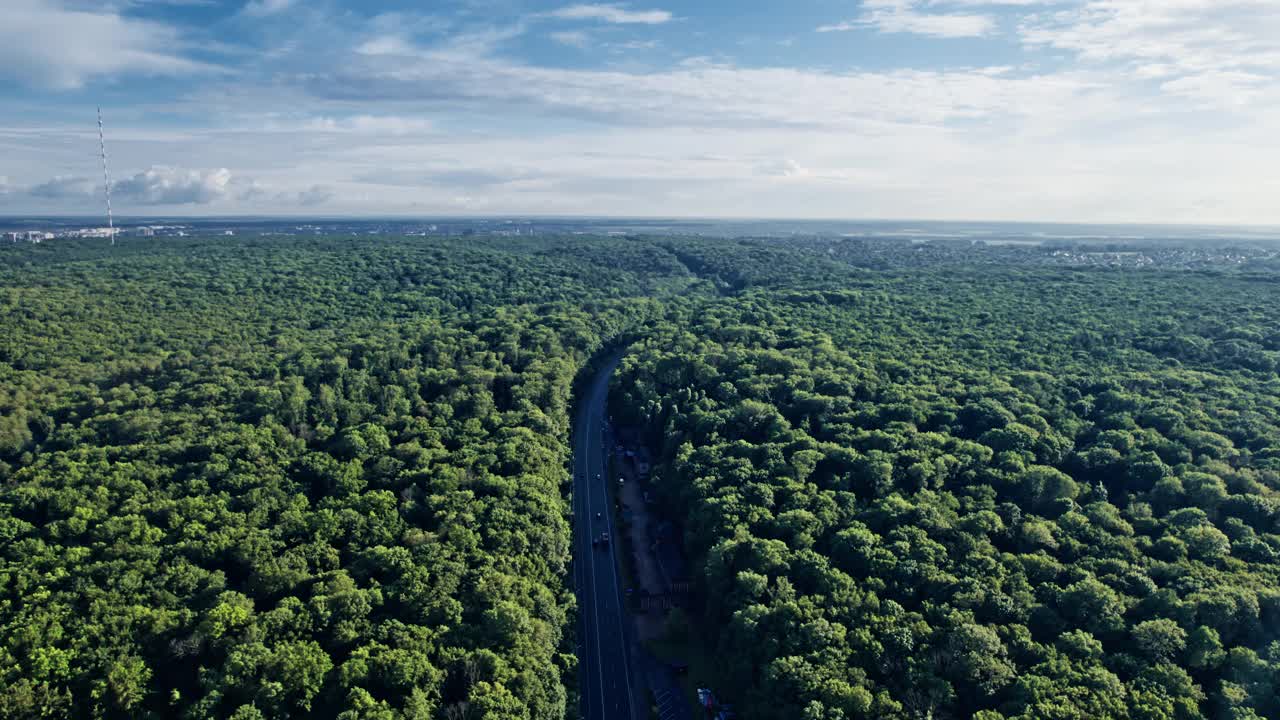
[(172, 186), (260, 8), (1105, 110), (905, 16), (47, 42), (1219, 52), (609, 13), (157, 185)]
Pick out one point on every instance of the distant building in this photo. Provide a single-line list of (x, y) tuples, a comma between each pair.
[(11, 236), (103, 232), (146, 232)]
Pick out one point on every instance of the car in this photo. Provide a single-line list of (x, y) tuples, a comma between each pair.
[(621, 480), (595, 541), (604, 538), (598, 516)]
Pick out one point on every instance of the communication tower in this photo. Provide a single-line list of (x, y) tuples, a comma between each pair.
[(106, 179)]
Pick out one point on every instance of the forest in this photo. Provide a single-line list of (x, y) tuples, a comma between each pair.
[(270, 477), (958, 491)]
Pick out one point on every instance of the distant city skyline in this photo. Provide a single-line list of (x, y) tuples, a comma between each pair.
[(1091, 111)]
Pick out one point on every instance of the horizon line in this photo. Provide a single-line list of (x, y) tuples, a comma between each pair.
[(631, 218)]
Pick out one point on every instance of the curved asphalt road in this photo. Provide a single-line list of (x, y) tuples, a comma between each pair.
[(603, 651)]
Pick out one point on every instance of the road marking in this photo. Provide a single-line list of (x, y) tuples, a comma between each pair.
[(665, 703), (595, 616), (593, 409), (613, 564)]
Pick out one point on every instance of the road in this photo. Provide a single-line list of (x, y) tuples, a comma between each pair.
[(604, 659)]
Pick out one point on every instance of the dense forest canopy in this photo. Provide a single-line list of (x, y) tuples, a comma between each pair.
[(967, 492), (326, 477), (273, 478)]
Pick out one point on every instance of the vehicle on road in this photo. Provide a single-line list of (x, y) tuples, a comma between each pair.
[(604, 538)]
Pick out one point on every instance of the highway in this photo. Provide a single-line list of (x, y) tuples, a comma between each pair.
[(604, 660)]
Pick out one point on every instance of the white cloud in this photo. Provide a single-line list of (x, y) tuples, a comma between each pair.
[(572, 38), (999, 3), (1217, 89), (452, 176), (610, 13), (909, 171), (261, 8), (633, 45), (903, 16), (786, 168), (697, 93), (63, 187), (46, 42), (1030, 171), (315, 195), (395, 117), (385, 125), (161, 185), (1224, 52), (385, 45)]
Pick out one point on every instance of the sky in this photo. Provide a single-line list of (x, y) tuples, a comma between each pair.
[(1038, 110)]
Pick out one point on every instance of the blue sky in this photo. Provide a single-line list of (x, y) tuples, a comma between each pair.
[(1070, 110)]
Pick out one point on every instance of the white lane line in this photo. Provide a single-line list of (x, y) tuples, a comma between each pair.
[(595, 616), (613, 564)]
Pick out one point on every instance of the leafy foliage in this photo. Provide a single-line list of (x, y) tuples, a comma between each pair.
[(325, 477), (266, 478), (993, 492)]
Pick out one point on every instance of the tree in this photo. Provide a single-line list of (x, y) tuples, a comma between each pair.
[(1160, 639), (128, 680)]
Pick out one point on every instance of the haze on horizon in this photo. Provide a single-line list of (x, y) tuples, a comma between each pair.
[(1065, 110)]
